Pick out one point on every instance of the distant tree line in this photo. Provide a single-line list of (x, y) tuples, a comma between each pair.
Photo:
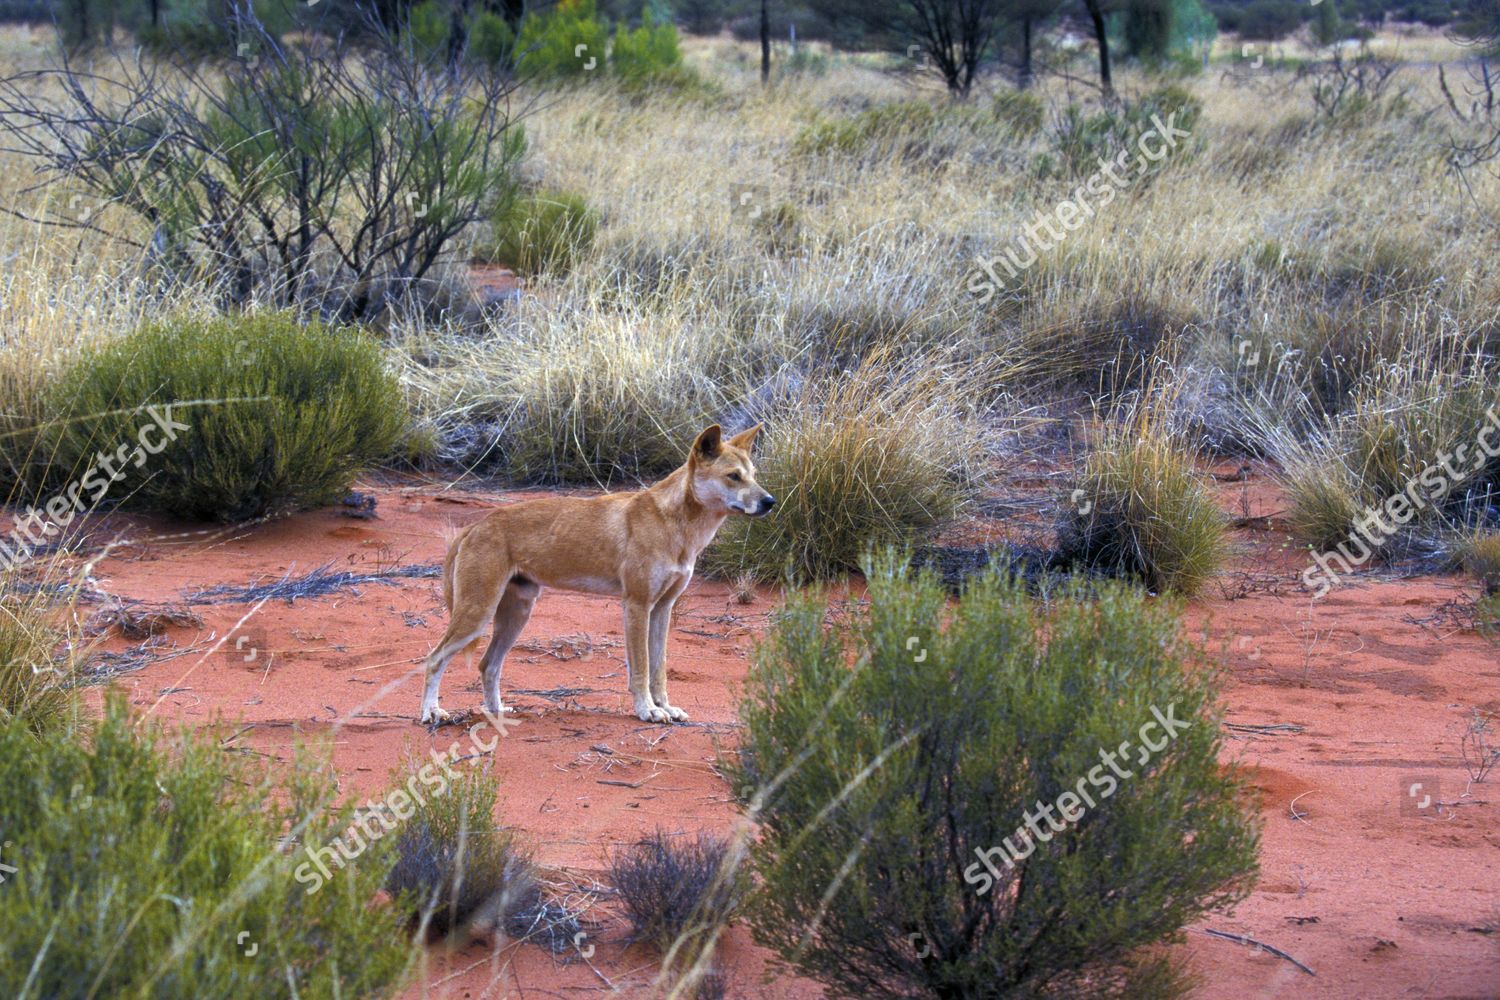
[(958, 39)]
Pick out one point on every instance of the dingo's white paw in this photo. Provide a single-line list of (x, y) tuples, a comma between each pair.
[(677, 714), (498, 708), (648, 712), (432, 713)]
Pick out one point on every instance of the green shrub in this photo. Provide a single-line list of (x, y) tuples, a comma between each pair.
[(429, 28), (1079, 140), (455, 867), (567, 42), (804, 61), (325, 176), (1021, 111), (37, 665), (542, 232), (595, 402), (1401, 423), (1141, 508), (279, 415), (489, 40), (854, 463), (151, 870), (891, 765), (908, 130), (644, 53), (1481, 557)]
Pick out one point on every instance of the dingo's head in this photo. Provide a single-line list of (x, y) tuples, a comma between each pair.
[(723, 476)]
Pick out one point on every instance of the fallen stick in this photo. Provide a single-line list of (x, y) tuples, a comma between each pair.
[(625, 784), (1242, 939)]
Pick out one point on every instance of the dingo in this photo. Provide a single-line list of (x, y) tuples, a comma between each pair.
[(641, 547)]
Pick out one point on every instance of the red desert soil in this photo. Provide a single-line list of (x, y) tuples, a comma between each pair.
[(1378, 897)]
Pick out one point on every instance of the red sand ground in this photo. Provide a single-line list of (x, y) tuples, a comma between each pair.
[(1379, 898)]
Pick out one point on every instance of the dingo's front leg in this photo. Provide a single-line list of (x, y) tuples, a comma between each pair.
[(661, 621), (638, 660)]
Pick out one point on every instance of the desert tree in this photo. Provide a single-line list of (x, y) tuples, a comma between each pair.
[(329, 177), (1147, 28), (1477, 28), (1028, 17), (954, 36), (1097, 12)]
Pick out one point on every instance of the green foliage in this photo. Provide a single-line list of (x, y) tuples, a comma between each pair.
[(1141, 509), (488, 39), (1327, 26), (1079, 140), (429, 29), (853, 466), (327, 176), (1021, 111), (646, 52), (562, 43), (281, 415), (1409, 430), (491, 40), (454, 865), (37, 669), (880, 758), (148, 869), (541, 233), (1148, 29), (909, 130)]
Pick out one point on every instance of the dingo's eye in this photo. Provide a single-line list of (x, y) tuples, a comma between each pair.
[(735, 477)]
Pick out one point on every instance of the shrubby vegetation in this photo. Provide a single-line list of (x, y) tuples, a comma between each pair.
[(149, 867), (878, 785), (455, 869), (279, 415), (855, 464), (679, 892), (1141, 509), (325, 176), (541, 232)]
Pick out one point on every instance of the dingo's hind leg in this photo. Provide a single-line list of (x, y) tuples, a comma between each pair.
[(511, 616), (473, 603)]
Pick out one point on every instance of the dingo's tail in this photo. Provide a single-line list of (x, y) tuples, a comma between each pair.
[(452, 536)]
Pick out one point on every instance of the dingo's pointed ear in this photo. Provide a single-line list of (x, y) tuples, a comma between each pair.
[(709, 442), (746, 439)]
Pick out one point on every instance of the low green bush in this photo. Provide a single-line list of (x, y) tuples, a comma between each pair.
[(934, 812), (853, 464), (540, 233), (640, 54), (38, 667), (1078, 140), (566, 42), (1140, 508), (148, 868), (249, 415), (1409, 447), (1021, 111), (454, 867), (915, 131), (488, 39)]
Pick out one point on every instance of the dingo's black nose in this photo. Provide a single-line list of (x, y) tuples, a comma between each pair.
[(767, 503)]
